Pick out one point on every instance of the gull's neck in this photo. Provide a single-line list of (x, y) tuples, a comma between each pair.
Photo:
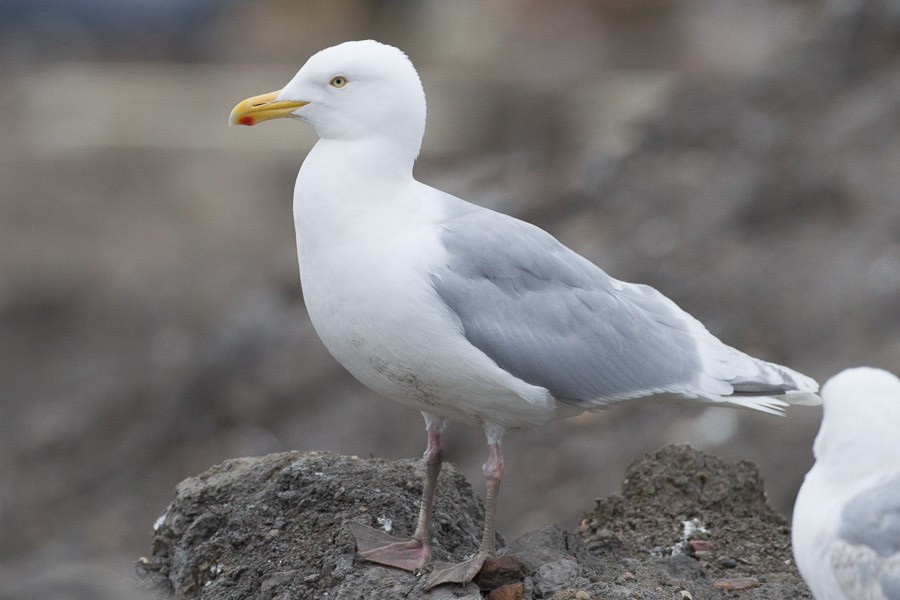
[(372, 159), (345, 183), (338, 174)]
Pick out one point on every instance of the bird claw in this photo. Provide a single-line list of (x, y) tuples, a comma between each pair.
[(374, 545), (461, 573)]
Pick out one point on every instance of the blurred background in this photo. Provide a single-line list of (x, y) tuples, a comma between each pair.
[(741, 156)]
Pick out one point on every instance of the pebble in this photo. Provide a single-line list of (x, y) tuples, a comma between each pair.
[(736, 583), (700, 548), (625, 576), (512, 591), (700, 545), (728, 563)]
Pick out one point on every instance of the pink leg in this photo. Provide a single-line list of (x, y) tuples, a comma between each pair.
[(374, 545), (433, 458), (493, 475), (465, 571)]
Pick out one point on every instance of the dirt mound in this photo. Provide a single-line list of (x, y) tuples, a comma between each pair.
[(685, 525), (681, 503)]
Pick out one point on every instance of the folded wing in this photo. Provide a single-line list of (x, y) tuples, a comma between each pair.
[(554, 319)]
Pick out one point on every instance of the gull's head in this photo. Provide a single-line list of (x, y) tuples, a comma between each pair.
[(354, 90), (860, 421)]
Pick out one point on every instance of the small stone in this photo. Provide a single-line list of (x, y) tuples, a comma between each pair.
[(510, 591), (699, 545), (685, 595), (736, 583), (499, 572), (625, 576), (699, 548), (582, 595), (143, 566), (728, 563)]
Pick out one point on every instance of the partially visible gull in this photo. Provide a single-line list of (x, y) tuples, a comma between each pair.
[(846, 530), (464, 313)]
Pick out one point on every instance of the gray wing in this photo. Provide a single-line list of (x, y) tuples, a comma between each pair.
[(870, 528), (554, 319), (872, 519), (890, 585)]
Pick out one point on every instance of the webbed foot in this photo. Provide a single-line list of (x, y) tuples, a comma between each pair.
[(461, 573), (374, 545)]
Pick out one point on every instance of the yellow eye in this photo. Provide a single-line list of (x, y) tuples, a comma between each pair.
[(338, 81)]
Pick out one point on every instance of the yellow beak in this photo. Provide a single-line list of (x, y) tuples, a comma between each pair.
[(262, 108)]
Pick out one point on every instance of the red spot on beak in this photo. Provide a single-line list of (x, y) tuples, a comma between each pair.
[(246, 120)]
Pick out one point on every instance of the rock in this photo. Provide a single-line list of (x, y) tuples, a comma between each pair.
[(736, 583), (500, 572), (215, 540), (510, 591)]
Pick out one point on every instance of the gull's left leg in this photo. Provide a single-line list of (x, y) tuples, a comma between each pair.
[(465, 571), (374, 545)]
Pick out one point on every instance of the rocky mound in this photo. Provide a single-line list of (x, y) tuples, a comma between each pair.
[(707, 523), (686, 525)]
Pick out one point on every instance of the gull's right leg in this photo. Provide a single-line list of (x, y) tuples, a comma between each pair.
[(374, 545)]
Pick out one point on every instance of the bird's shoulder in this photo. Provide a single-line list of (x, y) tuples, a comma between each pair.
[(485, 244)]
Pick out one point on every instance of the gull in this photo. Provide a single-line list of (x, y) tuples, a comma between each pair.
[(846, 525), (463, 313)]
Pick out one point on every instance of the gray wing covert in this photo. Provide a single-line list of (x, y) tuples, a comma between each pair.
[(553, 319), (872, 518), (871, 522), (890, 585)]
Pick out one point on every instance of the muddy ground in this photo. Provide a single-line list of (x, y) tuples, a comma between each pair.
[(685, 524)]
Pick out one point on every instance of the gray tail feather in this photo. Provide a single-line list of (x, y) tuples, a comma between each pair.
[(775, 380), (760, 388)]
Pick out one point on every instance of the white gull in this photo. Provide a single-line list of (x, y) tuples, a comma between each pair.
[(846, 526), (464, 313)]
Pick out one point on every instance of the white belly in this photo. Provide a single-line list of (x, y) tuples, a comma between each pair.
[(814, 530), (367, 288)]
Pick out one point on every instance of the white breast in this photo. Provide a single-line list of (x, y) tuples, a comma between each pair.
[(814, 530), (365, 260)]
